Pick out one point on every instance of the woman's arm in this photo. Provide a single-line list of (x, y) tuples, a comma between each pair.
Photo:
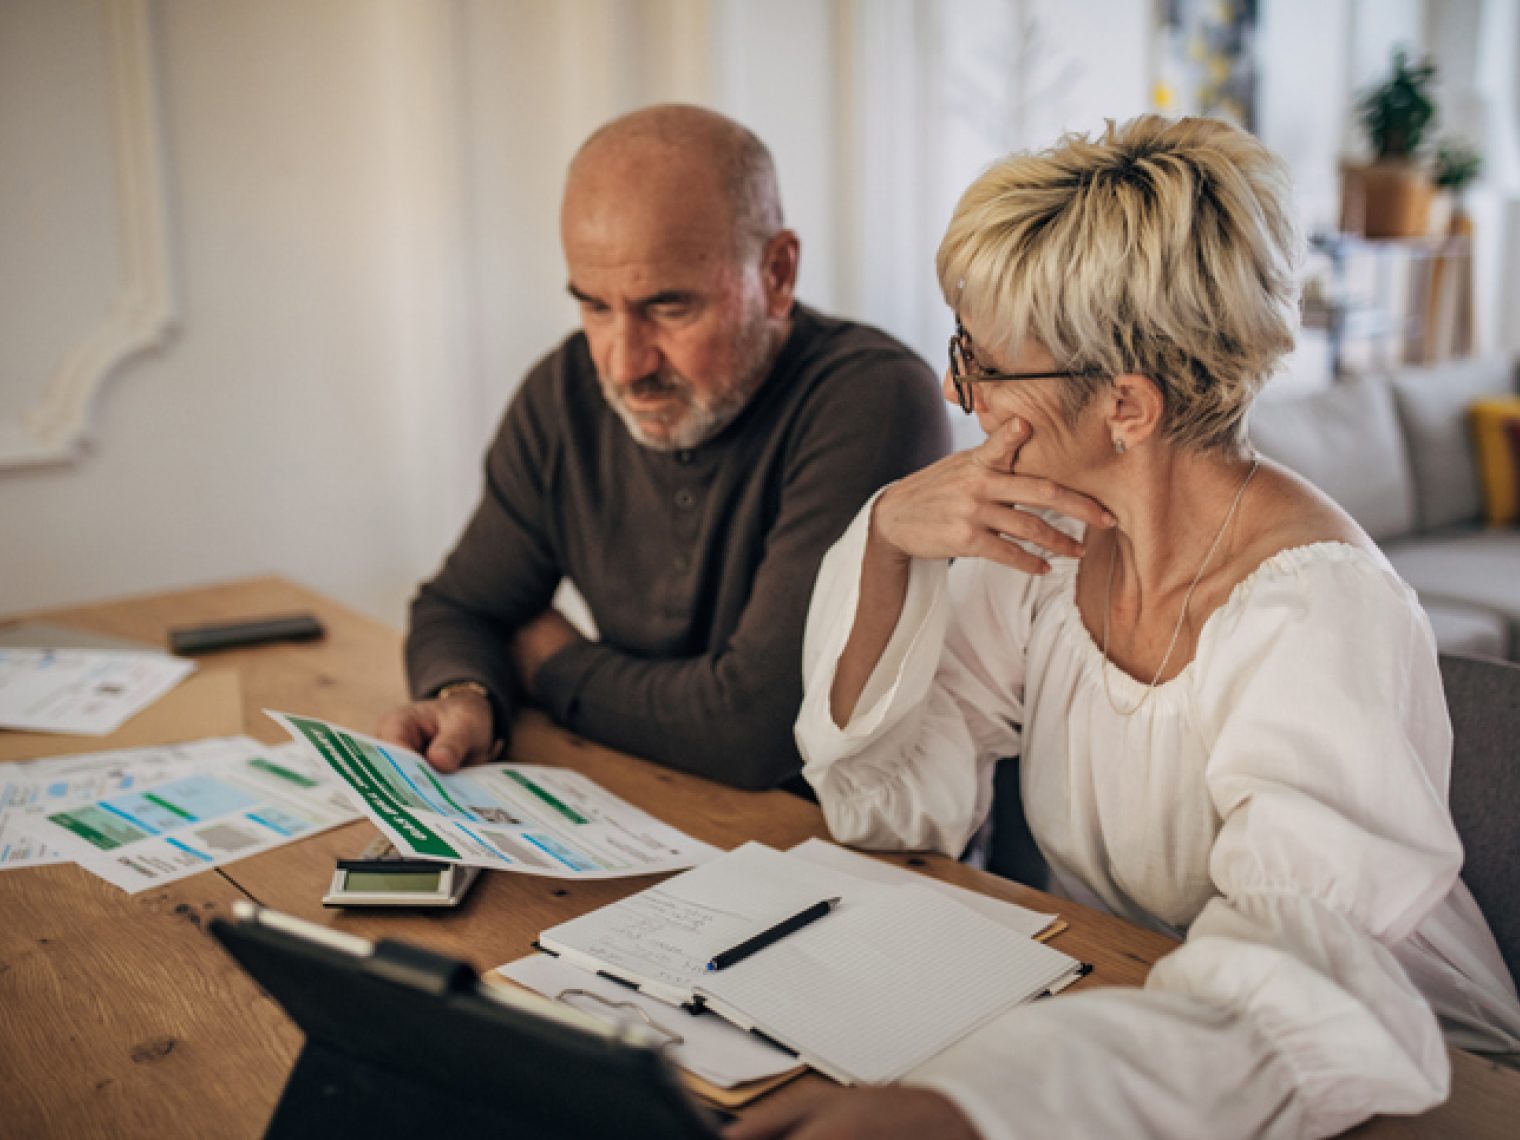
[(884, 576), (964, 506), (912, 767)]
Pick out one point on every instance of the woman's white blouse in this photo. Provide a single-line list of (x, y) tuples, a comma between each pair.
[(1281, 803)]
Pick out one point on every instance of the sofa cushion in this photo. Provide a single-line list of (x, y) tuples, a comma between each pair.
[(1432, 405), (1345, 439), (1496, 439), (1470, 567), (1467, 630)]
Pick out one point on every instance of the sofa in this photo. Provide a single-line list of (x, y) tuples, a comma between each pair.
[(1396, 452)]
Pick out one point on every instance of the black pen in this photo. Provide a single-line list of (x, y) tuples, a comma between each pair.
[(775, 933)]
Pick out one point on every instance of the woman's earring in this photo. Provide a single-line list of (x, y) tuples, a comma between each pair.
[(1118, 446)]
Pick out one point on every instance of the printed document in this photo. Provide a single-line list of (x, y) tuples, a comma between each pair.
[(528, 818), (226, 808), (86, 691), (30, 789)]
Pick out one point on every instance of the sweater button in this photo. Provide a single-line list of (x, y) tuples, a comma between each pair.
[(686, 499), (681, 562), (684, 457)]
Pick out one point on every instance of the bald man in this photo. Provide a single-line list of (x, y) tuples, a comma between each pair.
[(685, 460)]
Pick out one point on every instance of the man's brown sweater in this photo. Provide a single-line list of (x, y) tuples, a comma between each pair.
[(697, 565)]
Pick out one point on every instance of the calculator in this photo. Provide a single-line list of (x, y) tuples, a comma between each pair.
[(383, 876)]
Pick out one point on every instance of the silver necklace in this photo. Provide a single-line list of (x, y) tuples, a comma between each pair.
[(1108, 596)]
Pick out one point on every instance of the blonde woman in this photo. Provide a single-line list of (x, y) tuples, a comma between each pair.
[(1227, 703)]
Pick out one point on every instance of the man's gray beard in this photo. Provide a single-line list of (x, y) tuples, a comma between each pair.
[(704, 421)]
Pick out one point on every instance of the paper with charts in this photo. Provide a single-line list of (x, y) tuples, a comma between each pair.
[(233, 798), (32, 789), (87, 691), (529, 818)]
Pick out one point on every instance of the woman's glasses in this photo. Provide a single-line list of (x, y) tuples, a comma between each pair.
[(964, 372)]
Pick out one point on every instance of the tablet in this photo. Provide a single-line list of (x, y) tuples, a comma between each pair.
[(404, 1042)]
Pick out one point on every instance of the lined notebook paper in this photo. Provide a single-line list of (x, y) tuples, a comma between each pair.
[(891, 977), (662, 938)]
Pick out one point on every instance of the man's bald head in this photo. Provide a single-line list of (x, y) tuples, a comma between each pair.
[(680, 266), (687, 161)]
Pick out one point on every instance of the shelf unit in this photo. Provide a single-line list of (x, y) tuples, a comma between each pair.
[(1400, 328)]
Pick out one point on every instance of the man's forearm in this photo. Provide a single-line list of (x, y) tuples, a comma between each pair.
[(445, 645)]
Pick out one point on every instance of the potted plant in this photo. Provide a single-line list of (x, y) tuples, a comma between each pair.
[(1458, 165), (1390, 197)]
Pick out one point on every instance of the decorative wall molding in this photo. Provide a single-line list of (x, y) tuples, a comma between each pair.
[(142, 315)]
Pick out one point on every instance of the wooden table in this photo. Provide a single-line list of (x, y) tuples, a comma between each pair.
[(119, 1015)]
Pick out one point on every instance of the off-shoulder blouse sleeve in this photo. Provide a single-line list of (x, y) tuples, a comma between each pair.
[(913, 768), (1285, 1012)]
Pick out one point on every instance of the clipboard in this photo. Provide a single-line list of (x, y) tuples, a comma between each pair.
[(671, 1022), (402, 1042)]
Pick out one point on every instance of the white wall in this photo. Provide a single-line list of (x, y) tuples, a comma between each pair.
[(305, 219), (363, 211)]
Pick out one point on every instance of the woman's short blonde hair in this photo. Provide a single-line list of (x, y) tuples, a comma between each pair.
[(1165, 248)]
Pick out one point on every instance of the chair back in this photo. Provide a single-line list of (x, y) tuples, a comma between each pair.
[(1483, 697), (1012, 851)]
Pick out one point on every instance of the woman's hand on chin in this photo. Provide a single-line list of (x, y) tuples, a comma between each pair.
[(834, 1113), (967, 505)]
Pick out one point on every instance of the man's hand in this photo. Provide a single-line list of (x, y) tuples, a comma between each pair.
[(538, 641), (967, 505), (834, 1113), (450, 732)]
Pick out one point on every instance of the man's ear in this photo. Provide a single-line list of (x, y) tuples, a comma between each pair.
[(778, 273), (1136, 410)]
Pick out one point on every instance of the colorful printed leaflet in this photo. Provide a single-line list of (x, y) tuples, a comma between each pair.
[(31, 789), (528, 818), (187, 824)]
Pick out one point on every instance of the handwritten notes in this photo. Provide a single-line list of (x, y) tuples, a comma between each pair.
[(663, 938)]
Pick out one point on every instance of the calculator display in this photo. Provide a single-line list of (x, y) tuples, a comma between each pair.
[(398, 880), (382, 876)]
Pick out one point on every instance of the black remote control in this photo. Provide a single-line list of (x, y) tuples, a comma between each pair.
[(238, 634)]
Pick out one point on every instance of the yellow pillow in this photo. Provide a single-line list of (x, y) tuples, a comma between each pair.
[(1496, 432)]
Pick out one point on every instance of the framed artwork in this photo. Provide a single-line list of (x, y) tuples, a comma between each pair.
[(1206, 60)]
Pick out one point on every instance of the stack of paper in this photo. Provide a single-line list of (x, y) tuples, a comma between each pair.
[(876, 989), (895, 974)]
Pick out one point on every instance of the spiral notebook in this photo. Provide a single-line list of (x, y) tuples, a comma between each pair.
[(894, 975)]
